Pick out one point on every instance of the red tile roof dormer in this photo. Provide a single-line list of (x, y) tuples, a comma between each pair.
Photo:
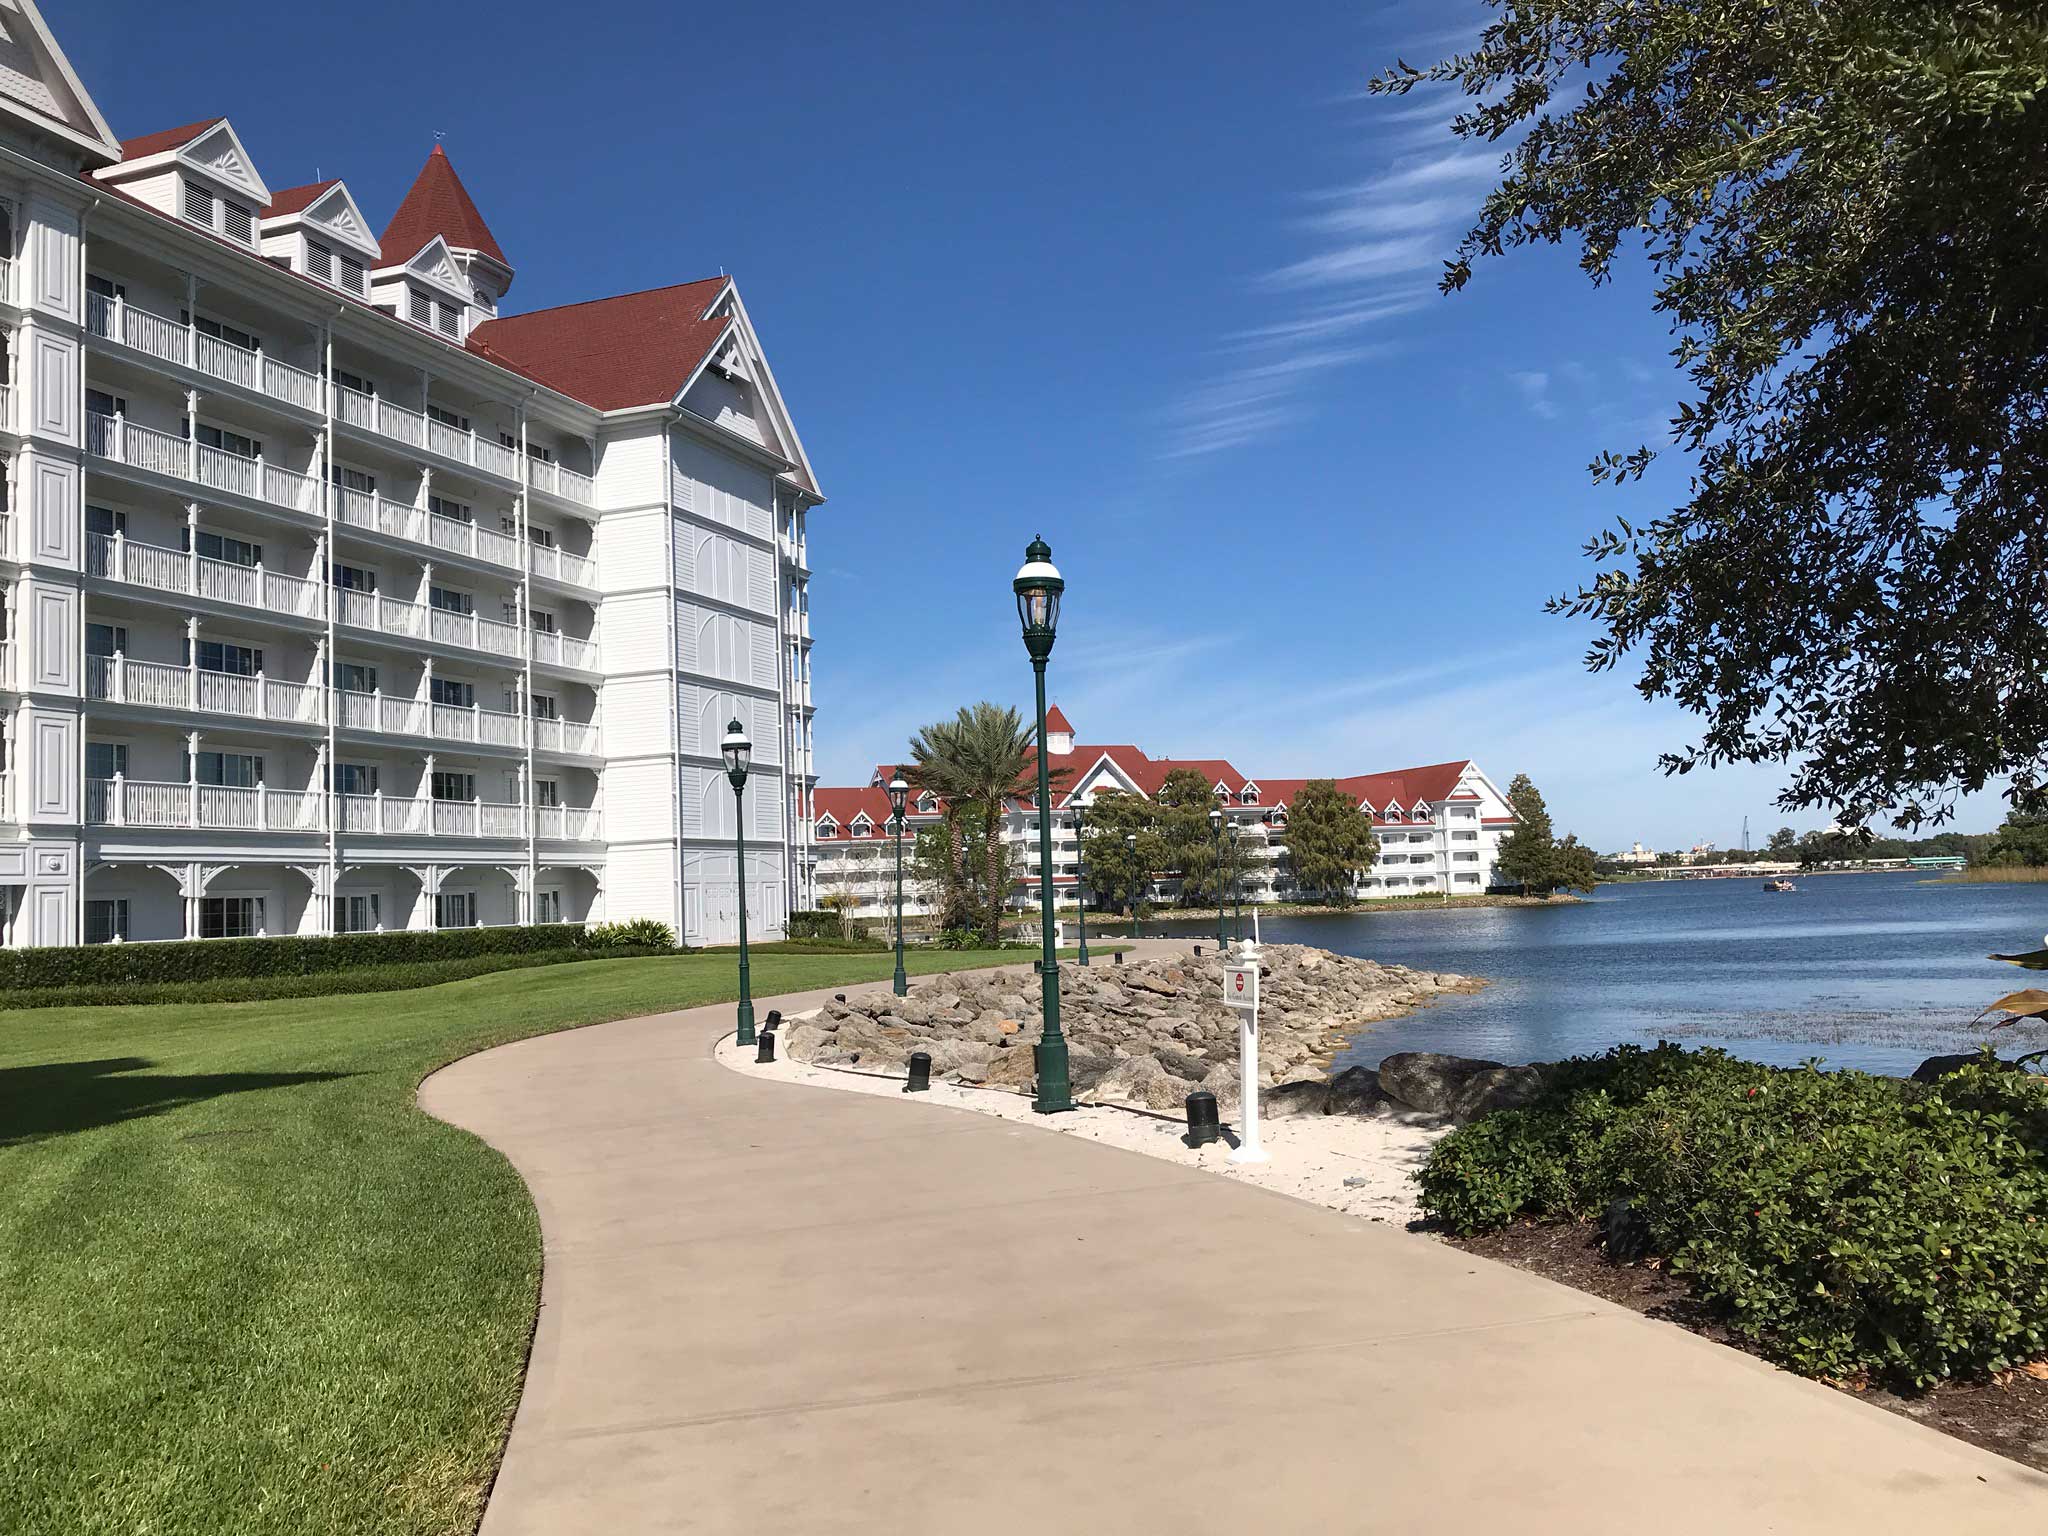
[(1057, 721), (635, 349), (165, 139), (439, 204), (299, 199)]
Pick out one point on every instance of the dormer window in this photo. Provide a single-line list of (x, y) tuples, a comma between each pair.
[(827, 827), (222, 215), (1249, 795), (927, 803)]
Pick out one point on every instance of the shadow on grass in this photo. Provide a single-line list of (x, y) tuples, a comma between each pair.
[(64, 1096)]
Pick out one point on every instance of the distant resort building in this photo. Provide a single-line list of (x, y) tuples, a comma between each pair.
[(1439, 827)]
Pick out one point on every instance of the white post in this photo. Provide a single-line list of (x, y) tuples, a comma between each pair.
[(1248, 1149)]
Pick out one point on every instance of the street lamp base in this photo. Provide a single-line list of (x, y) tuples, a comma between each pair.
[(745, 1036), (1055, 1095)]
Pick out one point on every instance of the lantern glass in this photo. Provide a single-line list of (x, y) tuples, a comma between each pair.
[(738, 752), (898, 793), (1215, 820), (1038, 587)]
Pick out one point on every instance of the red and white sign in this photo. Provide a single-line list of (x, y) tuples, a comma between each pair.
[(1241, 986)]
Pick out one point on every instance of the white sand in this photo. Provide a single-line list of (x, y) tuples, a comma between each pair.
[(1312, 1155)]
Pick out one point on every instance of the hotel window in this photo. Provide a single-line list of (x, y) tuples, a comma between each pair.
[(450, 600), (228, 770), (448, 418), (539, 537), (547, 792), (105, 759), (545, 622), (456, 511), (455, 909), (224, 656), (545, 707), (358, 480), (357, 914), (547, 907), (216, 546), (106, 639), (106, 922), (105, 287), (105, 521), (453, 784), (454, 692), (230, 917), (354, 381), (352, 578), (227, 441), (234, 336), (356, 778), (99, 403)]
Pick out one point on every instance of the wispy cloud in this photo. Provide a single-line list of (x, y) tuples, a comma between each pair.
[(1533, 384), (1247, 403)]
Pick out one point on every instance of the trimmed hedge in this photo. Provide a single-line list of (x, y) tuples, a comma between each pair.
[(1850, 1226), (815, 925), (355, 979), (131, 965)]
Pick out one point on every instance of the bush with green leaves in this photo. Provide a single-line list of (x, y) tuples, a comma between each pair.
[(640, 933), (815, 925), (1850, 1226)]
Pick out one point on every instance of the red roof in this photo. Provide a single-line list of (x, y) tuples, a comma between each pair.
[(297, 199), (635, 349), (1056, 721), (165, 138), (438, 204)]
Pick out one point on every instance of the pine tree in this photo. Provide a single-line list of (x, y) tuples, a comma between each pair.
[(1329, 841), (1528, 855)]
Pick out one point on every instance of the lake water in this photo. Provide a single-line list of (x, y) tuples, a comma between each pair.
[(1869, 971)]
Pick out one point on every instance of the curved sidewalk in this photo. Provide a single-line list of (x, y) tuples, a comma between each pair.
[(789, 1310)]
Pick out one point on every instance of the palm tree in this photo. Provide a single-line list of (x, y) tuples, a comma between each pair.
[(977, 763)]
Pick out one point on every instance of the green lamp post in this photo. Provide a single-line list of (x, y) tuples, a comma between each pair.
[(899, 792), (1216, 842), (738, 752), (1131, 843), (1081, 879), (1038, 587)]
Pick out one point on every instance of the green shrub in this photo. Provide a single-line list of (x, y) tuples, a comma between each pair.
[(249, 989), (216, 959), (640, 933), (815, 925), (1849, 1225)]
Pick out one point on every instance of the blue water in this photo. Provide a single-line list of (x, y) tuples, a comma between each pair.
[(1868, 971)]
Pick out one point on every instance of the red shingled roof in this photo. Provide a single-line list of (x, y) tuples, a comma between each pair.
[(635, 349), (165, 138), (297, 199), (438, 204), (1055, 720)]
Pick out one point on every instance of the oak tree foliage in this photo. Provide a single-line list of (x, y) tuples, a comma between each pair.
[(1844, 204)]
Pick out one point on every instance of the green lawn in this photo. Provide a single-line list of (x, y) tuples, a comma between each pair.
[(246, 1286)]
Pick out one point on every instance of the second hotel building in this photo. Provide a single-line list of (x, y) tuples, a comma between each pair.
[(338, 600)]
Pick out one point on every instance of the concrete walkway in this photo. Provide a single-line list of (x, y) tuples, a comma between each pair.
[(786, 1310)]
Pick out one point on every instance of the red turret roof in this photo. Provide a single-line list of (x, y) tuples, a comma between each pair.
[(438, 204), (1056, 721)]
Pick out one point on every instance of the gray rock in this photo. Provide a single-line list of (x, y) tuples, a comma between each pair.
[(1358, 1091), (1010, 1069), (1284, 1101), (1934, 1068), (804, 1042), (1461, 1087), (1182, 1063)]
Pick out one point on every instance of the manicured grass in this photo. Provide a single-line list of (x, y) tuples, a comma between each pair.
[(248, 1286)]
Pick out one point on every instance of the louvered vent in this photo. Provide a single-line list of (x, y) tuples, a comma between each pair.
[(320, 261), (351, 275), (239, 223), (198, 204), (421, 308)]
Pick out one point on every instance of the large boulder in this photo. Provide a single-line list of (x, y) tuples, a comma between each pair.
[(1934, 1068), (1460, 1087), (804, 1042), (1284, 1101), (1357, 1091), (1012, 1068), (1141, 1080)]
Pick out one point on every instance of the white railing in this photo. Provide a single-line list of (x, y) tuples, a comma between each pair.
[(564, 651), (563, 566), (570, 823), (172, 341), (497, 458), (164, 453), (125, 802), (373, 413), (411, 816), (119, 558), (565, 483), (578, 736)]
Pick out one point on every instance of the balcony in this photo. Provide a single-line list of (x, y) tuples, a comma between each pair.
[(160, 685), (182, 458), (416, 429), (179, 573), (124, 802), (395, 519), (170, 341)]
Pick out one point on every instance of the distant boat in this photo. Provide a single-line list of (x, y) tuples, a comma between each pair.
[(1780, 885)]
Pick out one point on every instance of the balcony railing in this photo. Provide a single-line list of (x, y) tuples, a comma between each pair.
[(125, 802), (184, 458), (160, 685), (171, 341), (395, 519), (565, 483), (119, 558), (563, 566)]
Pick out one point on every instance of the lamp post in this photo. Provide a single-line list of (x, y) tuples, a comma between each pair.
[(738, 752), (898, 793), (1038, 587), (1080, 881), (1216, 842), (1131, 843)]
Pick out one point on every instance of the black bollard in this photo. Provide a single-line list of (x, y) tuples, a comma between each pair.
[(1203, 1124), (1119, 957), (920, 1072), (838, 997), (764, 1046), (1198, 951), (774, 1020)]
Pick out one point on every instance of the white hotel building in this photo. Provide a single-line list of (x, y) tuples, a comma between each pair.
[(335, 599), (1439, 827)]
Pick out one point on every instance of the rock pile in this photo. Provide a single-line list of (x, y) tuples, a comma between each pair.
[(1151, 1032)]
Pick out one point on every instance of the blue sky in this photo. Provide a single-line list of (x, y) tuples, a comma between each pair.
[(1153, 280)]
